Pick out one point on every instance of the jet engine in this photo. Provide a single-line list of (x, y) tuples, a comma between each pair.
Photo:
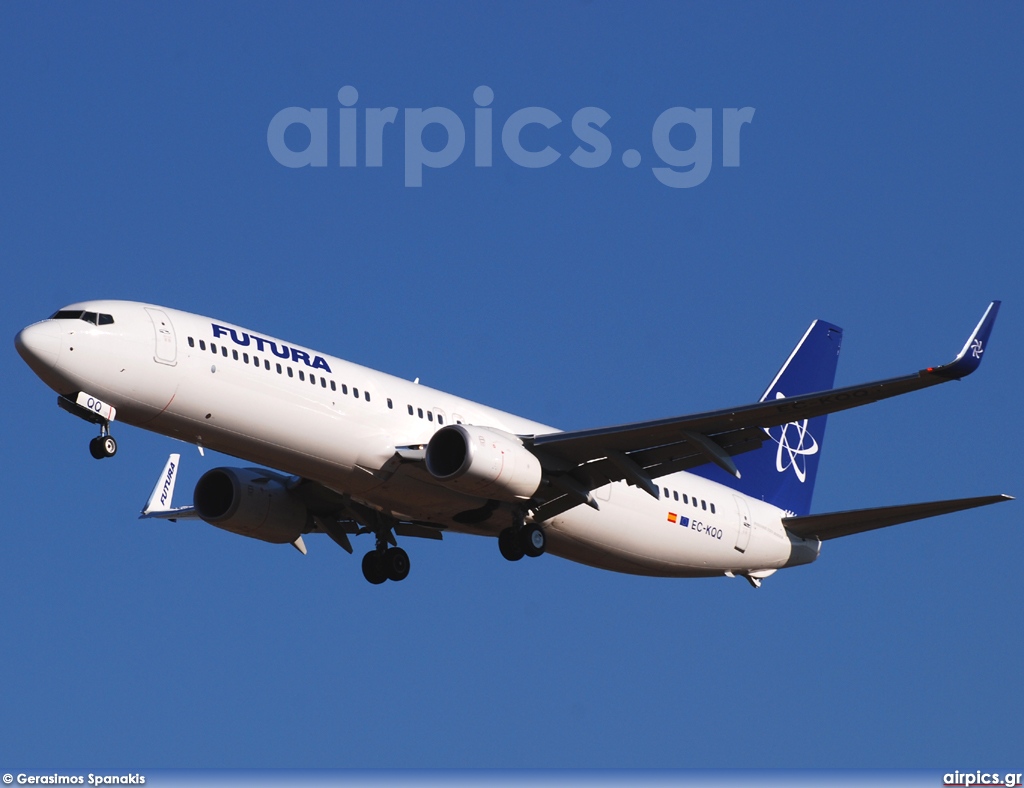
[(247, 501), (483, 461)]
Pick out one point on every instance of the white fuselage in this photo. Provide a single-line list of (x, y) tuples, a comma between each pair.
[(273, 403)]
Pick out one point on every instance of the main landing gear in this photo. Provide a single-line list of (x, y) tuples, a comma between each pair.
[(385, 563), (522, 539)]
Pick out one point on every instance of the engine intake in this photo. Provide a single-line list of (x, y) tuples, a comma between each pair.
[(246, 501), (483, 461)]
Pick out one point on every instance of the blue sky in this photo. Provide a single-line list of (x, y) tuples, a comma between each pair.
[(878, 188)]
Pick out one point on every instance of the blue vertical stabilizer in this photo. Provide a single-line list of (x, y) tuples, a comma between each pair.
[(783, 470)]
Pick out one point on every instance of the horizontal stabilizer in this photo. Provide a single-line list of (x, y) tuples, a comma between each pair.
[(836, 524)]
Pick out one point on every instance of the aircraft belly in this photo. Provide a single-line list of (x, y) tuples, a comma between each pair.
[(633, 535)]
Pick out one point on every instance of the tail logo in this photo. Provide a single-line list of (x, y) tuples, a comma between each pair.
[(795, 445)]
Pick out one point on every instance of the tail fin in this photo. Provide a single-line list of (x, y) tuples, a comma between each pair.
[(783, 470)]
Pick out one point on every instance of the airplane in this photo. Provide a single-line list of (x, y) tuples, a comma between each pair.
[(356, 451)]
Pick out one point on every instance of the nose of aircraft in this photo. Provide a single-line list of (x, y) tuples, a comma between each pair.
[(39, 344)]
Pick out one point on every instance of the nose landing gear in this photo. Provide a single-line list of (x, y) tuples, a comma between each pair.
[(94, 411)]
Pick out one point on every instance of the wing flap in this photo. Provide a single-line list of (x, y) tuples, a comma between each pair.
[(836, 524)]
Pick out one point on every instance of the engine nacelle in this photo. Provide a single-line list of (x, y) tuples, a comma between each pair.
[(484, 462), (245, 501)]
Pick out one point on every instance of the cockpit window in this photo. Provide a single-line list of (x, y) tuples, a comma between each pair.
[(78, 314)]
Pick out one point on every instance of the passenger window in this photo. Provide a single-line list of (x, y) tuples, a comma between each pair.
[(255, 361), (266, 364), (333, 387), (366, 395), (245, 357), (420, 412), (712, 508), (302, 375), (410, 410), (224, 350), (675, 495), (685, 499), (202, 344), (430, 416), (312, 379), (704, 505), (665, 490), (213, 347), (234, 355), (390, 404), (278, 369), (323, 382), (191, 342), (290, 373), (344, 388), (355, 392), (440, 419), (695, 504)]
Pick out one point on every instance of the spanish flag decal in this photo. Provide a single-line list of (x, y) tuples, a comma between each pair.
[(673, 517)]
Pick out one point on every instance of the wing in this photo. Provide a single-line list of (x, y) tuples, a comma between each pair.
[(330, 512), (581, 461), (159, 504)]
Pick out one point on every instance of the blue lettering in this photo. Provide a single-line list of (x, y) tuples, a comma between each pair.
[(317, 362), (273, 349), (167, 483)]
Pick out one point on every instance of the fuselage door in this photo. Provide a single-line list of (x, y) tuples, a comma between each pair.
[(166, 345), (743, 520)]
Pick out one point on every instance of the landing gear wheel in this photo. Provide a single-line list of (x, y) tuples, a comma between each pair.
[(532, 539), (108, 445), (509, 545), (374, 567), (396, 560), (102, 446)]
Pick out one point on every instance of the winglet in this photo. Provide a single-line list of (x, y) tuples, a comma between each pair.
[(159, 503), (163, 492), (970, 357)]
